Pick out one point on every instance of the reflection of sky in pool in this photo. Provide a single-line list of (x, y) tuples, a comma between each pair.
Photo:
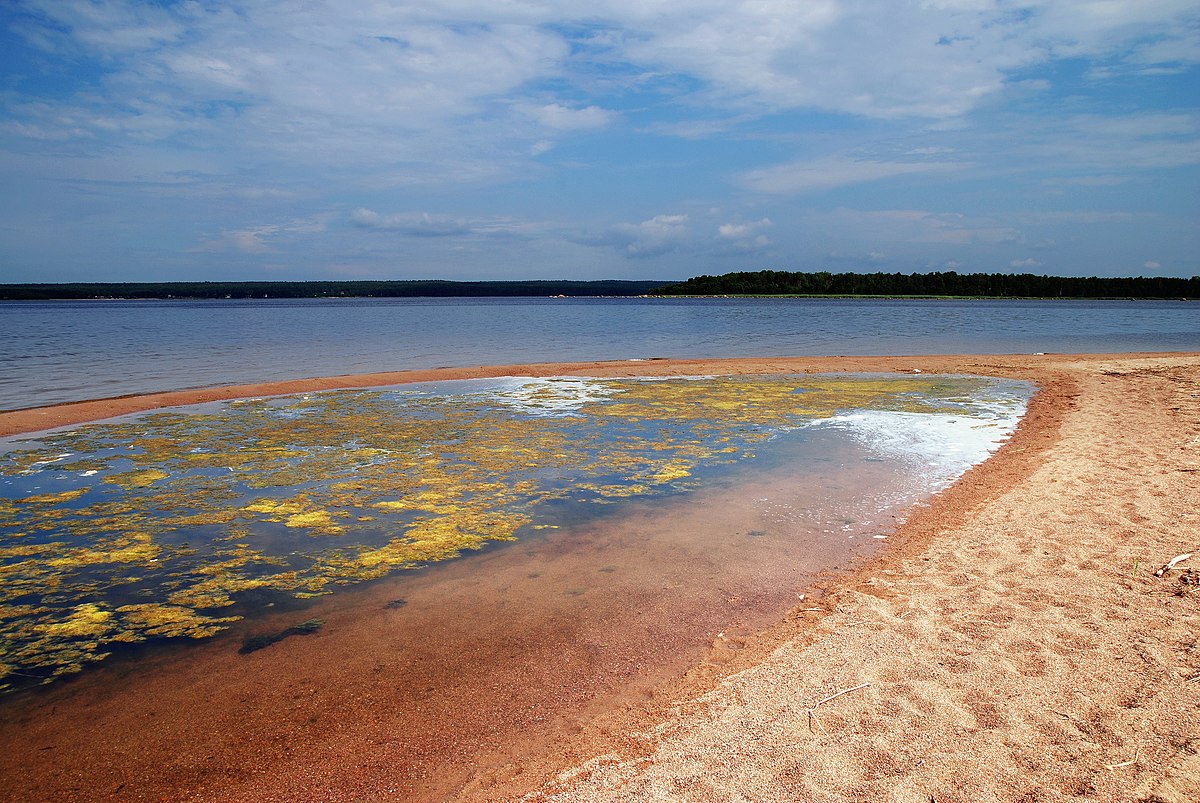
[(154, 526)]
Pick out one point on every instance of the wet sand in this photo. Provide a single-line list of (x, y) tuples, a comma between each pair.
[(1014, 638)]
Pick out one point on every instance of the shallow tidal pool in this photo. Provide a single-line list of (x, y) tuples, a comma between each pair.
[(179, 523)]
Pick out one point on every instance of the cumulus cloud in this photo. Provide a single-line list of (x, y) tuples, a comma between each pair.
[(1025, 264), (658, 235), (1150, 265), (745, 237)]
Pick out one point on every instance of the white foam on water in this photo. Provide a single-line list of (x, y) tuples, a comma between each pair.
[(563, 395), (939, 447), (549, 396)]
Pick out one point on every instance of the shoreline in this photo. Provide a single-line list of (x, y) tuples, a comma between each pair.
[(33, 419), (1006, 564)]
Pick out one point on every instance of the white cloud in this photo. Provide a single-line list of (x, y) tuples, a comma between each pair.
[(259, 239), (1078, 216), (298, 107), (814, 176), (1088, 181), (737, 231), (858, 261), (1099, 143), (425, 224), (564, 118), (393, 91), (658, 235), (1149, 265), (111, 27), (1025, 264), (916, 226), (460, 90), (418, 224), (932, 59), (744, 238), (406, 68)]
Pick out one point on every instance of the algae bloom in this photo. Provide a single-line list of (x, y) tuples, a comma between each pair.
[(171, 524)]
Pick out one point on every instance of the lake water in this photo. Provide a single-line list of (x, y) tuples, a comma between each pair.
[(52, 352)]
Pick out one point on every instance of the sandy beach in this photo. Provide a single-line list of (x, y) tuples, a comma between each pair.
[(1014, 641)]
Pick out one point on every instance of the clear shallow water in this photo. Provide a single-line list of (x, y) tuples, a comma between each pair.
[(53, 352), (180, 523)]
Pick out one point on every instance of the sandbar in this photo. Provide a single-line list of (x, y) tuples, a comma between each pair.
[(1014, 641)]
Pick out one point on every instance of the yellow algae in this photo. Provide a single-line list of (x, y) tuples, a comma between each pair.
[(25, 550), (88, 619), (672, 470), (320, 520), (276, 507), (215, 592), (130, 548), (52, 499), (297, 512), (397, 504), (207, 518), (168, 621), (137, 479), (12, 611), (402, 479)]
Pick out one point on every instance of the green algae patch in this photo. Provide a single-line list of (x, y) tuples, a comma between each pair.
[(158, 526)]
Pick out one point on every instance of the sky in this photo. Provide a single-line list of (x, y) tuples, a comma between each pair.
[(626, 139)]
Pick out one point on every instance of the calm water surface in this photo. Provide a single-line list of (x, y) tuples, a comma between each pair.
[(52, 352)]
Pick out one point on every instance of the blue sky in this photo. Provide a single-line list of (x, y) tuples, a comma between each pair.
[(464, 139)]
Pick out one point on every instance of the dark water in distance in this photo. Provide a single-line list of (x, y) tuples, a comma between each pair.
[(59, 351)]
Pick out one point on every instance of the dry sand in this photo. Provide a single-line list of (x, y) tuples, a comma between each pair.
[(1012, 643)]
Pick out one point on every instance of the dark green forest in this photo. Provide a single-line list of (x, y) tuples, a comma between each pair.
[(321, 289), (977, 285)]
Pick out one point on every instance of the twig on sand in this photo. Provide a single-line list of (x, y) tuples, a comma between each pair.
[(812, 710), (1124, 763), (1171, 563)]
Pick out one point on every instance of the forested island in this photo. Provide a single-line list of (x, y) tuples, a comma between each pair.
[(971, 285), (742, 283)]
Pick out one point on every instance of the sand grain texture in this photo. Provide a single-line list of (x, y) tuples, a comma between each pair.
[(1028, 652)]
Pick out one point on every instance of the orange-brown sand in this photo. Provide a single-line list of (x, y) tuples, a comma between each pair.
[(1012, 642)]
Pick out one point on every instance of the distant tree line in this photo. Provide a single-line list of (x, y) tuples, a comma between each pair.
[(994, 285), (320, 289)]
